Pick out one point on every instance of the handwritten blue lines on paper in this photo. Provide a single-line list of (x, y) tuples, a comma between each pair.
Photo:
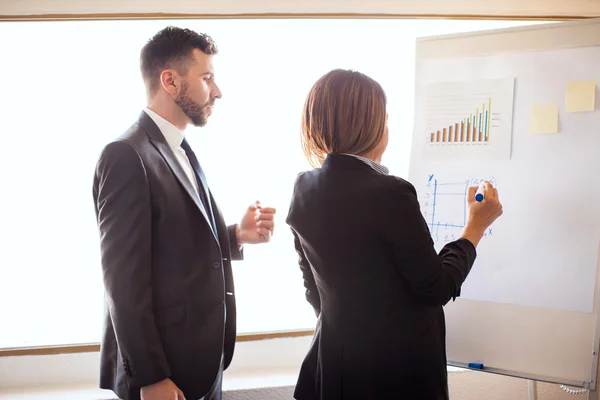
[(444, 207)]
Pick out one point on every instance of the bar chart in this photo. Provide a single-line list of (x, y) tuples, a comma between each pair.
[(468, 119), (474, 128)]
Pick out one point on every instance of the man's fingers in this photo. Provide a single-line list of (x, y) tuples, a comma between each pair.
[(264, 216), (257, 206), (270, 225), (254, 206), (265, 234)]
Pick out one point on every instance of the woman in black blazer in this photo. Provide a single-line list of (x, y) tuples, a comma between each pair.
[(368, 261)]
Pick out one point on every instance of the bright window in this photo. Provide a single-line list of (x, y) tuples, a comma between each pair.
[(68, 88)]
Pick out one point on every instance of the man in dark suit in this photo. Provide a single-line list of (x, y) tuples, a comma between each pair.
[(166, 251)]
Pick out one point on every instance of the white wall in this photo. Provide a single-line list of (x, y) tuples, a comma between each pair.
[(558, 8)]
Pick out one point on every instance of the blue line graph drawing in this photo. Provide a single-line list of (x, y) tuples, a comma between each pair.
[(444, 207)]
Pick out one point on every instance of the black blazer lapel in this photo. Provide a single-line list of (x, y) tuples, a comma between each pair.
[(220, 225), (159, 142)]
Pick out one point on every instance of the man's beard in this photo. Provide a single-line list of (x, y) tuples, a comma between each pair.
[(195, 112)]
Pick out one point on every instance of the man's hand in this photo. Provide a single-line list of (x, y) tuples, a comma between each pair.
[(257, 225), (163, 390)]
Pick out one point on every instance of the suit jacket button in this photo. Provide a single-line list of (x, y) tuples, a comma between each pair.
[(217, 264)]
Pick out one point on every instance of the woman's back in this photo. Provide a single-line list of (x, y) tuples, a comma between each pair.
[(379, 330), (338, 212)]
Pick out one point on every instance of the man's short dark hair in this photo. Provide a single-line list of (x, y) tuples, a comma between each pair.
[(172, 48)]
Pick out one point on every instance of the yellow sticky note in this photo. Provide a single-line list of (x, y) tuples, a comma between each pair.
[(581, 96), (543, 118)]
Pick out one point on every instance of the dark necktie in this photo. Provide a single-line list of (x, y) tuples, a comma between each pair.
[(201, 181)]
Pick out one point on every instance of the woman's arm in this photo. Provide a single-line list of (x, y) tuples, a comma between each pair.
[(312, 293), (433, 279)]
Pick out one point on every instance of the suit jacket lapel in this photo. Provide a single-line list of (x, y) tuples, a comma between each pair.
[(219, 222), (159, 142)]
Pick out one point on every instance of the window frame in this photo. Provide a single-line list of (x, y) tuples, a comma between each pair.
[(95, 347)]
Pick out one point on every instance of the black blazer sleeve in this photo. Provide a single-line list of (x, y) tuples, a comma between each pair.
[(432, 279), (237, 252), (312, 293), (122, 198)]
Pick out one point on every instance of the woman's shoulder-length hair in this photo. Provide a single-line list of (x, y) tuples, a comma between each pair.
[(344, 113)]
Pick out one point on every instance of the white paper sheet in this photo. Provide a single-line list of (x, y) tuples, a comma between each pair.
[(543, 251), (469, 119)]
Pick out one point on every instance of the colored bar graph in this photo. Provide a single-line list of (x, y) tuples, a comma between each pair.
[(468, 130), (479, 124), (487, 127), (473, 129)]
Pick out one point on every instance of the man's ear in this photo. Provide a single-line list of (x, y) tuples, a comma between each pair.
[(169, 81)]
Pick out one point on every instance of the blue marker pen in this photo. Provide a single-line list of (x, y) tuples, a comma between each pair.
[(475, 365), (479, 193)]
